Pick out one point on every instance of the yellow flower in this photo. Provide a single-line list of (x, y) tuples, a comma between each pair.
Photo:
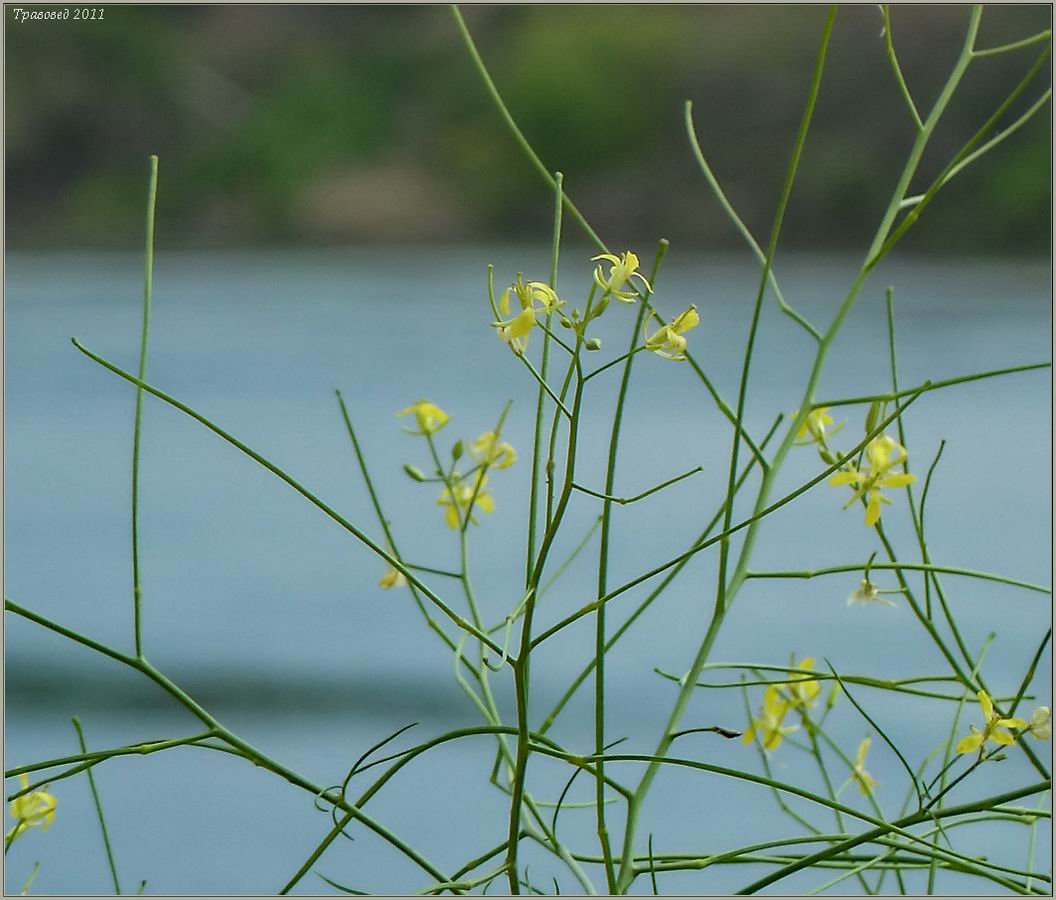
[(883, 453), (533, 296), (1040, 725), (393, 578), (803, 688), (462, 499), (814, 429), (485, 449), (868, 593), (33, 810), (430, 417), (668, 341), (991, 730), (768, 724), (866, 783), (622, 269)]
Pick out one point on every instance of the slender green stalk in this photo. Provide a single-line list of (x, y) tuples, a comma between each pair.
[(731, 213), (910, 202), (148, 286), (625, 501), (890, 396), (143, 749), (603, 574), (892, 58), (901, 566), (537, 434), (521, 664), (99, 811), (1045, 35)]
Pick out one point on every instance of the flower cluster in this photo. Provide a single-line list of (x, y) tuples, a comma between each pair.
[(534, 297), (622, 269), (669, 340), (623, 282), (883, 454), (994, 725), (466, 493), (815, 427), (430, 417), (801, 693), (33, 810)]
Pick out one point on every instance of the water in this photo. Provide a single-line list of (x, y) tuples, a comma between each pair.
[(269, 613)]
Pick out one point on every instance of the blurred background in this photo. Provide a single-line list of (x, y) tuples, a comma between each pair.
[(323, 125), (334, 181)]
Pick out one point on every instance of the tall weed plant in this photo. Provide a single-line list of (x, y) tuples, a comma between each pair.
[(854, 834)]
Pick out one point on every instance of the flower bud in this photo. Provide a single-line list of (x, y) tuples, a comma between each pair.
[(873, 416), (456, 451), (414, 473), (592, 344)]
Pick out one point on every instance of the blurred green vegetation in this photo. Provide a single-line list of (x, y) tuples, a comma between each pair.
[(324, 125)]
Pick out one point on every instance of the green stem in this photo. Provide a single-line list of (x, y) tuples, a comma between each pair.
[(928, 386), (892, 58), (537, 435), (900, 566), (624, 501), (148, 284), (99, 811), (727, 207), (603, 574), (1015, 45)]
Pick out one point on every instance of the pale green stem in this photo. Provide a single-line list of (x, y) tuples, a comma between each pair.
[(900, 566), (892, 58), (99, 811), (727, 207), (148, 284)]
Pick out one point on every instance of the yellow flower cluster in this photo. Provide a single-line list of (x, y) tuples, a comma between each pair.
[(33, 810), (883, 454), (1039, 727), (462, 494), (535, 298), (622, 269), (430, 417), (769, 726), (669, 340)]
